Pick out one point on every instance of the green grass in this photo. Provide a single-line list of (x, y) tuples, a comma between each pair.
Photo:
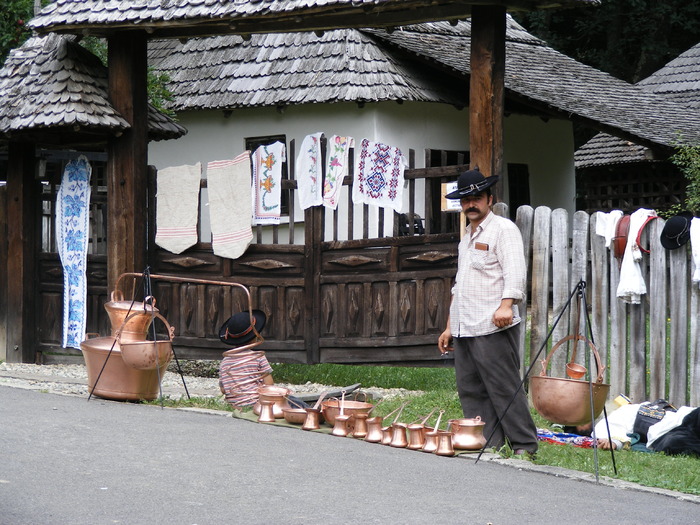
[(438, 391)]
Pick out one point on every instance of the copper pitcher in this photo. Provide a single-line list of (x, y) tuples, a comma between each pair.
[(387, 434), (468, 433), (266, 413), (431, 438), (374, 429), (312, 421), (398, 435), (444, 444), (359, 424), (340, 427), (416, 436)]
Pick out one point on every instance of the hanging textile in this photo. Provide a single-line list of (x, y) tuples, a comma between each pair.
[(267, 183), (379, 176), (177, 207), (337, 169), (309, 173), (605, 225), (695, 248), (228, 182), (72, 234), (632, 286)]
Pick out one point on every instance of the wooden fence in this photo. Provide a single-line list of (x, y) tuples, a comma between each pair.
[(650, 350)]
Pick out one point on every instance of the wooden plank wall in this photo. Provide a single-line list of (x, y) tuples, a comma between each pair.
[(650, 350)]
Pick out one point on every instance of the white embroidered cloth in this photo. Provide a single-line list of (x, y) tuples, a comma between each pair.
[(72, 233), (177, 207), (228, 182), (267, 183), (337, 169), (606, 223), (695, 247), (309, 172), (632, 286), (379, 176)]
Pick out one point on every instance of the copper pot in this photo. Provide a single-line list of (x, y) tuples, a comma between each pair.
[(467, 433), (445, 444), (277, 395), (143, 354), (374, 429), (398, 435), (312, 419), (431, 442), (137, 328), (567, 401), (296, 416), (331, 408), (340, 427), (359, 425), (266, 414)]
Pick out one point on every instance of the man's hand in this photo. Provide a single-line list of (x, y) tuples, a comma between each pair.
[(504, 315), (445, 342), (605, 444)]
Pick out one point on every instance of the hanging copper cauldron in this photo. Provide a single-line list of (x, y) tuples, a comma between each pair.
[(118, 310), (467, 433), (143, 354), (567, 401)]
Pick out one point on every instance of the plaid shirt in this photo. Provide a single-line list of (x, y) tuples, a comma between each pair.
[(491, 267)]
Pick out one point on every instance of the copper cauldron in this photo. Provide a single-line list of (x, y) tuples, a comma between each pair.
[(137, 328), (331, 408), (567, 401), (467, 433)]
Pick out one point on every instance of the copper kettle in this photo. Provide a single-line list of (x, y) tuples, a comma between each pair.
[(468, 433)]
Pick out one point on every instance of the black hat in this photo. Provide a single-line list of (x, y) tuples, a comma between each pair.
[(237, 329), (676, 231), (470, 183)]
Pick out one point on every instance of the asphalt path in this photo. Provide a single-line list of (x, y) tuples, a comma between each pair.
[(67, 460)]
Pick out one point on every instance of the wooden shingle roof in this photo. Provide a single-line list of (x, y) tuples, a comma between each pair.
[(52, 84), (191, 18), (679, 83), (297, 68)]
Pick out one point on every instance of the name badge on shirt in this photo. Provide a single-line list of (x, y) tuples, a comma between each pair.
[(481, 246)]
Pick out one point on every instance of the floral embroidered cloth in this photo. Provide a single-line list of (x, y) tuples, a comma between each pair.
[(267, 183), (309, 172), (563, 438), (72, 234), (337, 169), (230, 209), (379, 176)]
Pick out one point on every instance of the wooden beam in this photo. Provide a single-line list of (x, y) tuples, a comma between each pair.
[(127, 157), (23, 205), (486, 91)]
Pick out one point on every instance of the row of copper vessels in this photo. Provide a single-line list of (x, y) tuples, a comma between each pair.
[(352, 418)]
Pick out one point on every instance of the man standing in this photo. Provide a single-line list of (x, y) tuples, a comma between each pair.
[(484, 325)]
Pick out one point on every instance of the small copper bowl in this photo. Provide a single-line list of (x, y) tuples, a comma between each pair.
[(296, 416)]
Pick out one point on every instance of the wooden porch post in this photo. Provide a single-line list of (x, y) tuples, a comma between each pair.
[(486, 91), (23, 192), (127, 157)]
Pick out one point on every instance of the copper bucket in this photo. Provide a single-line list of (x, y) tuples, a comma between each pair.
[(567, 401), (143, 354), (140, 316)]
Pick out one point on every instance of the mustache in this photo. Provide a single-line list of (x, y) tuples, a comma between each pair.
[(471, 209)]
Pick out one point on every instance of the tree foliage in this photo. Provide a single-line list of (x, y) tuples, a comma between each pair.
[(687, 158), (13, 25), (630, 39)]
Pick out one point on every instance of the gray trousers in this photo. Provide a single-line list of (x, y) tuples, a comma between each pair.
[(488, 372)]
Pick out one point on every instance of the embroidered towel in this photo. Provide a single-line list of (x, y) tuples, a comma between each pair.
[(177, 207), (72, 233), (695, 247), (337, 169), (228, 182), (379, 176), (267, 182), (632, 286), (309, 172), (605, 225)]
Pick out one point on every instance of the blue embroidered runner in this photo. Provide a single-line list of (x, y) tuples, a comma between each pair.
[(72, 230)]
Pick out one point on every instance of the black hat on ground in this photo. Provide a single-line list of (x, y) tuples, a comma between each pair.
[(237, 329), (470, 183), (676, 231)]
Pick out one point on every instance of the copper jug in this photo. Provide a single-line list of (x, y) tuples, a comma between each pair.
[(387, 434), (359, 423), (340, 428), (431, 441), (312, 421), (444, 445), (374, 430), (468, 433), (416, 436), (398, 435), (266, 413)]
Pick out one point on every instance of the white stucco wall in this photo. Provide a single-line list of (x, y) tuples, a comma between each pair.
[(546, 147)]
